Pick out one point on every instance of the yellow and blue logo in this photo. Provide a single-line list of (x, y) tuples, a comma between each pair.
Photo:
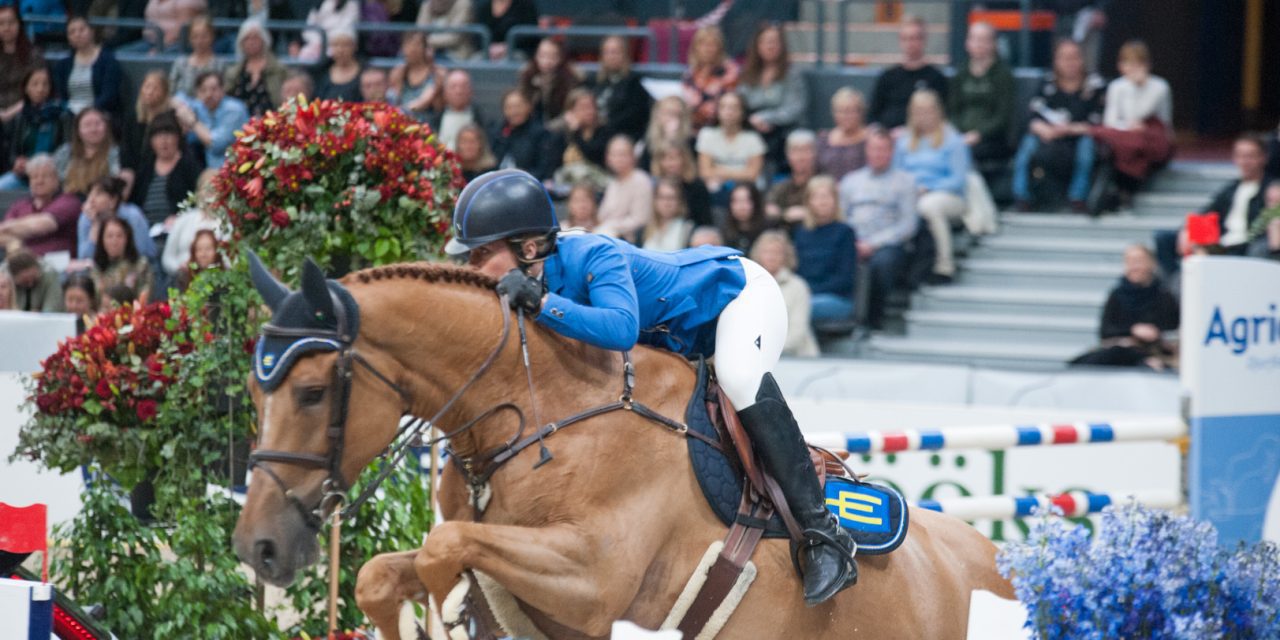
[(857, 508)]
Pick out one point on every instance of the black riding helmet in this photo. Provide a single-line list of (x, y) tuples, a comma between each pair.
[(508, 203)]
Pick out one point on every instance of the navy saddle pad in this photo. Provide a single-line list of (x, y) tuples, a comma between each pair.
[(876, 516)]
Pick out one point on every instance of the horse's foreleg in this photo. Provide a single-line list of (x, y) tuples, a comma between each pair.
[(383, 585), (559, 570)]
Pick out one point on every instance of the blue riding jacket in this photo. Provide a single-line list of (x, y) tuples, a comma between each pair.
[(611, 294)]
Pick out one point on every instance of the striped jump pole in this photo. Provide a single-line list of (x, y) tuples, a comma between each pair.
[(1073, 504), (999, 437)]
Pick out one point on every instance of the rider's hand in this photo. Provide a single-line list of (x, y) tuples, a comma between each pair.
[(522, 291)]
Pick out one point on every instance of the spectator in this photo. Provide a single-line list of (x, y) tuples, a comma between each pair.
[(473, 151), (35, 285), (547, 79), (498, 16), (338, 18), (257, 78), (775, 94), (879, 202), (7, 302), (842, 148), (170, 16), (117, 296), (202, 257), (746, 219), (188, 223), (982, 97), (706, 236), (41, 126), (622, 100), (45, 222), (80, 298), (116, 260), (379, 44), (458, 110), (106, 200), (934, 153), (728, 154), (1241, 201), (711, 74), (676, 163), (417, 83), (898, 83), (154, 99), (18, 58), (1062, 111), (520, 141), (185, 70), (91, 154), (785, 201), (373, 85), (670, 124), (627, 205), (774, 251), (1265, 236), (212, 119), (340, 77), (1273, 154), (44, 33), (1136, 313), (670, 226), (90, 76), (165, 182), (583, 208), (578, 143), (1138, 122), (297, 83), (447, 13), (826, 251)]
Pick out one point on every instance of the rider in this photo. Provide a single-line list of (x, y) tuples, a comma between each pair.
[(702, 301)]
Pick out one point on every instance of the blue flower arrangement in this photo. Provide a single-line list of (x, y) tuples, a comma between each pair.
[(1147, 574)]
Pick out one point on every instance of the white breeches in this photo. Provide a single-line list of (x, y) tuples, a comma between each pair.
[(750, 335)]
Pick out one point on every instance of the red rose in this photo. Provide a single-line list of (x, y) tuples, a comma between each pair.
[(103, 389), (147, 410), (280, 218)]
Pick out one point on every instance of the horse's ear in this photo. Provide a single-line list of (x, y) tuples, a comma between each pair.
[(271, 290), (315, 288)]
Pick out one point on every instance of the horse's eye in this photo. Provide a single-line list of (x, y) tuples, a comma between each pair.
[(310, 396)]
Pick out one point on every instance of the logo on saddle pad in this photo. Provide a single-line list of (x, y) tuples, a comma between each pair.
[(857, 507)]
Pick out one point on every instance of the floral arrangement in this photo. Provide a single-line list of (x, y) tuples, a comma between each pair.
[(328, 179), (97, 396), (1147, 574)]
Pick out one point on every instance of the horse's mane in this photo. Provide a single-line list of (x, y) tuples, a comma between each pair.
[(427, 271)]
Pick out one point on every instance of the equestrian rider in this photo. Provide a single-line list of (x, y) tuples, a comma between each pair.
[(696, 302)]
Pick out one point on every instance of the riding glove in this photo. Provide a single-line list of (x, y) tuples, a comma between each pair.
[(522, 291)]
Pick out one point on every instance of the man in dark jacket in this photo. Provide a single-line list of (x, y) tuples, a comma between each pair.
[(1240, 202), (897, 83)]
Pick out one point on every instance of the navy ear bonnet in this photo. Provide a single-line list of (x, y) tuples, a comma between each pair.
[(321, 316)]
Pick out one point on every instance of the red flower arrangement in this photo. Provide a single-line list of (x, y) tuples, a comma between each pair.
[(96, 396), (323, 178)]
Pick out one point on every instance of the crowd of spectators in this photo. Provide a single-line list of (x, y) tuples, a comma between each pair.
[(726, 158)]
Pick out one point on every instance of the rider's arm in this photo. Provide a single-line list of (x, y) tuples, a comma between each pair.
[(612, 319)]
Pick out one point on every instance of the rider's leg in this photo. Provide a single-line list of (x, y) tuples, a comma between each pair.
[(749, 339)]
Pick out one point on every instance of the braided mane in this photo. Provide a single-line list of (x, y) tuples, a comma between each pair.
[(427, 271)]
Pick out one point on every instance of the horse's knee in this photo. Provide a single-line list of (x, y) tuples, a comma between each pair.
[(439, 561), (375, 584)]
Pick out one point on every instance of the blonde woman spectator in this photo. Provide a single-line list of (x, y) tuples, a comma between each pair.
[(91, 154), (582, 208), (154, 98), (842, 149), (1137, 122), (711, 74), (670, 124), (670, 228), (627, 204), (728, 153), (935, 154), (676, 162), (774, 251), (257, 77), (416, 83), (447, 13), (185, 70), (335, 17), (473, 151)]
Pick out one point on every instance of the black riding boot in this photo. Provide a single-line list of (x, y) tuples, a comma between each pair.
[(828, 549)]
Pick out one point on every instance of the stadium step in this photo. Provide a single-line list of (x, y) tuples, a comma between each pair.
[(1065, 225), (1015, 301), (1039, 274), (1051, 248), (1078, 332), (1004, 354)]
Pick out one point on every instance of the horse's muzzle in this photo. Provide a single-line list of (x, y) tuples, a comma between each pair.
[(277, 547)]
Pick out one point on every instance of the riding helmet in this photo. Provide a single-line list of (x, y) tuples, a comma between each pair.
[(500, 204)]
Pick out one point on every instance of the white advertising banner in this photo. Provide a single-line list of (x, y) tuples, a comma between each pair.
[(1231, 375)]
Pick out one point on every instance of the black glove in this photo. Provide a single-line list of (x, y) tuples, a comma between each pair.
[(522, 291)]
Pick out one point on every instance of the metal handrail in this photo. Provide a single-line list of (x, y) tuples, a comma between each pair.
[(126, 23), (480, 32), (525, 31)]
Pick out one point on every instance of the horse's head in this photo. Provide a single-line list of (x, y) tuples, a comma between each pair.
[(312, 440)]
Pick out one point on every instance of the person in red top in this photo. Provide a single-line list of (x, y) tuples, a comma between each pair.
[(46, 221)]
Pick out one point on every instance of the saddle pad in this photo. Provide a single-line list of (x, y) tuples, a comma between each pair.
[(722, 480)]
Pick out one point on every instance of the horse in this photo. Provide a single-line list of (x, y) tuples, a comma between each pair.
[(607, 523)]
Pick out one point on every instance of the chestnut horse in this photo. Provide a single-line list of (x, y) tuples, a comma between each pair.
[(610, 529)]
